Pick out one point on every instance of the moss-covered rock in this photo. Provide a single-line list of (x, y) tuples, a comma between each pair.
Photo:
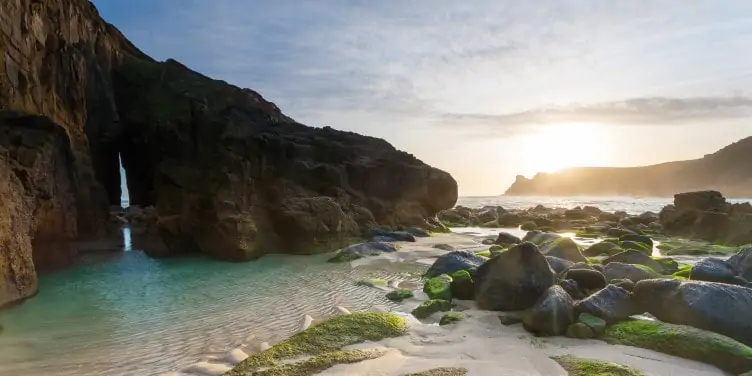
[(484, 253), (683, 272), (430, 307), (442, 371), (683, 341), (319, 363), (462, 285), (529, 226), (439, 287), (695, 249), (580, 331), (588, 367), (597, 324), (327, 337), (451, 318), (496, 248), (399, 295), (668, 264), (372, 282), (633, 245)]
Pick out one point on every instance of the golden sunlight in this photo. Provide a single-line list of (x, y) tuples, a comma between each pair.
[(560, 146)]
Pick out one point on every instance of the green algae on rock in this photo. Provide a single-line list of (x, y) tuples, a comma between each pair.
[(451, 318), (442, 371), (430, 307), (589, 367), (399, 295), (317, 364), (683, 341), (462, 285), (326, 337), (372, 282), (439, 287)]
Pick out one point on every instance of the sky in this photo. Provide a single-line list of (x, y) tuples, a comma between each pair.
[(485, 90)]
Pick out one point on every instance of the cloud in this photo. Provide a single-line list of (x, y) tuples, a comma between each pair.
[(636, 111), (371, 65)]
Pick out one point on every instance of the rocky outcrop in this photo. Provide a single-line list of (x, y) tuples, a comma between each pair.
[(228, 173), (706, 215), (728, 170), (38, 201)]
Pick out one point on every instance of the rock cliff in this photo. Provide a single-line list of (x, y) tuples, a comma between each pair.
[(230, 175), (728, 170)]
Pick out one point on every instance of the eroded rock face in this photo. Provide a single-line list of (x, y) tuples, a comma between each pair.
[(707, 215), (228, 173), (38, 202)]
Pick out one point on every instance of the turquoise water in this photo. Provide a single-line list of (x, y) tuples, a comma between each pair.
[(133, 315)]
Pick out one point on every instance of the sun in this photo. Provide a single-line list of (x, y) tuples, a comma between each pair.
[(558, 146)]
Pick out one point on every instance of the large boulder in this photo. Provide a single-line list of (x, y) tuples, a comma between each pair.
[(611, 304), (454, 261), (507, 239), (635, 273), (513, 280), (742, 262), (717, 307), (715, 270), (700, 200), (635, 257), (551, 314), (563, 248)]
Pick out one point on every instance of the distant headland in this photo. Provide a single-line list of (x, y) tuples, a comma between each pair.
[(728, 170)]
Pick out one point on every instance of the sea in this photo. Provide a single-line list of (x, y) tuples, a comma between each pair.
[(128, 314)]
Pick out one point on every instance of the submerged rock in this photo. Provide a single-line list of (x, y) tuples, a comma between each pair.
[(611, 304), (513, 280), (706, 305), (715, 270), (452, 262), (361, 250), (551, 314), (563, 248)]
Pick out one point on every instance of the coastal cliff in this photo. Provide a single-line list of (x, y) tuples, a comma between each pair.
[(229, 174), (728, 170)]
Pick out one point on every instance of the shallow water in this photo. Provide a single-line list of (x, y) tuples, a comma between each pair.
[(133, 315)]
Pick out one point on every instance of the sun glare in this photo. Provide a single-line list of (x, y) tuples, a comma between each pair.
[(559, 146)]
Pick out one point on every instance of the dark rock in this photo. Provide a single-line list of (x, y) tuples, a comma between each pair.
[(624, 283), (572, 288), (510, 318), (592, 210), (742, 262), (487, 241), (580, 331), (399, 236), (529, 226), (559, 265), (417, 232), (361, 250), (563, 248), (597, 324), (510, 220), (717, 307), (583, 265), (513, 280), (700, 200), (507, 239), (715, 270), (430, 307), (669, 265), (454, 261), (487, 215), (618, 232), (628, 244), (444, 247), (576, 214), (608, 217), (587, 279), (635, 273), (551, 314), (612, 304), (601, 248), (634, 257), (644, 239)]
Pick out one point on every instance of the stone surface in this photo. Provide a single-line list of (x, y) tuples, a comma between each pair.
[(587, 278), (742, 262), (631, 256), (611, 304), (716, 307), (601, 248), (563, 248), (559, 265), (580, 331), (597, 324), (454, 261), (506, 239), (715, 270), (357, 251), (513, 280), (617, 270), (551, 314)]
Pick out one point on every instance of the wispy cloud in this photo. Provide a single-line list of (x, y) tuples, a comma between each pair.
[(369, 65)]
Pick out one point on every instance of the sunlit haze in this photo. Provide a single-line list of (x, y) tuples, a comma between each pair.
[(485, 90)]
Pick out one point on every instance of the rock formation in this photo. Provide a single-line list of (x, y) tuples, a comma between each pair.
[(707, 215), (728, 170), (229, 174)]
